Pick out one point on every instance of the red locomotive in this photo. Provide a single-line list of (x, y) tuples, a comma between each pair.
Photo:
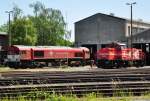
[(117, 55), (33, 56), (114, 55)]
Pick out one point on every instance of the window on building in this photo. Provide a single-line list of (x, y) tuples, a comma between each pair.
[(38, 53), (129, 30), (134, 30), (142, 29)]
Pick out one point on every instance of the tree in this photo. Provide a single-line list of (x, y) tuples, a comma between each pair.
[(46, 27), (4, 28), (50, 25), (17, 12), (37, 7), (23, 32)]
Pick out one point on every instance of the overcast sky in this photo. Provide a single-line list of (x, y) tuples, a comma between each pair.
[(75, 10)]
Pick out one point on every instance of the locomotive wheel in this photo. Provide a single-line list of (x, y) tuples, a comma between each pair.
[(136, 64), (125, 64), (99, 66), (13, 65), (83, 63), (142, 63)]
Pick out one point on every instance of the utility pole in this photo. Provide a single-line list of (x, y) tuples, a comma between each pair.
[(131, 21), (9, 32)]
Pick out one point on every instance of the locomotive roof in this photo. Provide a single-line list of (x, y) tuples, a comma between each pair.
[(122, 44), (23, 47), (57, 48), (40, 47), (118, 43)]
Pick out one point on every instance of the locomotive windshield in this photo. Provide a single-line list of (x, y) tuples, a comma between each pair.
[(13, 51), (118, 46), (123, 46)]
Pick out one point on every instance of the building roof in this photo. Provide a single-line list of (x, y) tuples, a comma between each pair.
[(3, 33), (138, 21), (112, 15), (98, 14)]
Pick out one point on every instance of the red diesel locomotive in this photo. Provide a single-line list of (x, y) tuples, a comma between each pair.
[(114, 55), (117, 55), (38, 56)]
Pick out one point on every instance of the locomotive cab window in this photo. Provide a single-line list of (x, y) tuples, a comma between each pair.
[(38, 53), (23, 52), (87, 52), (78, 54)]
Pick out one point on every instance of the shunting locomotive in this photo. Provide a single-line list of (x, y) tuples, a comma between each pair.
[(118, 55)]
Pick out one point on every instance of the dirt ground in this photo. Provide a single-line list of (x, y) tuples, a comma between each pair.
[(65, 68)]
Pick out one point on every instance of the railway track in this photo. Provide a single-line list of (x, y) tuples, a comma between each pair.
[(105, 82)]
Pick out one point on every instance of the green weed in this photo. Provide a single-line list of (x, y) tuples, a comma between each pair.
[(52, 96)]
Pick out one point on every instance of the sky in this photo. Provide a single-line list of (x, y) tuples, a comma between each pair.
[(75, 10)]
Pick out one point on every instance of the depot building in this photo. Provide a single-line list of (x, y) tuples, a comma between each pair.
[(98, 30)]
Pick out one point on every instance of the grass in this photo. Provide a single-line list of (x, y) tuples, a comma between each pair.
[(42, 96)]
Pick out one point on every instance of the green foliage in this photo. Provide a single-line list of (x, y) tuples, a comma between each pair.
[(23, 32), (43, 96), (45, 27), (34, 96), (50, 25), (17, 12), (4, 28)]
